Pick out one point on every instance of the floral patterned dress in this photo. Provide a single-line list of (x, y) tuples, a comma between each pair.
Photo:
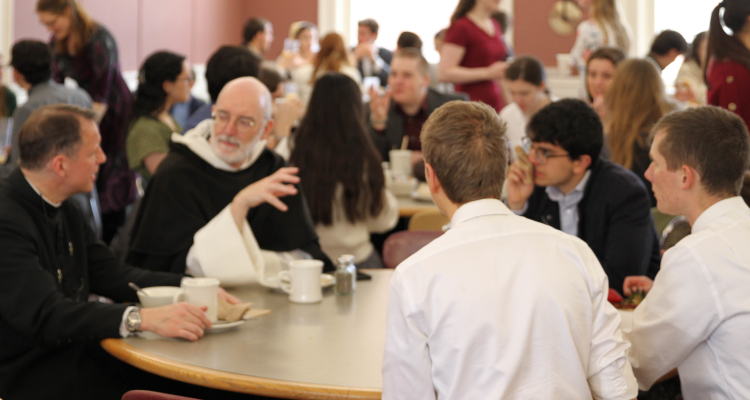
[(97, 70)]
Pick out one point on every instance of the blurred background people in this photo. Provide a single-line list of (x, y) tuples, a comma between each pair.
[(473, 53), (303, 37), (163, 81), (690, 82), (181, 111), (635, 102), (370, 59), (408, 39), (332, 57), (340, 172), (728, 69), (258, 36), (666, 47), (605, 27), (527, 83), (600, 70), (85, 51)]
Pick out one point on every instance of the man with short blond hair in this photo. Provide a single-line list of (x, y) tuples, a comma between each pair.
[(498, 303), (696, 316)]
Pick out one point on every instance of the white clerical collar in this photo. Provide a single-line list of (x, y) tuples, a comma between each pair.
[(719, 208), (50, 202), (197, 138), (479, 208)]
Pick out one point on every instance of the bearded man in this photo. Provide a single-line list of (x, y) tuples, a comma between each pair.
[(221, 204)]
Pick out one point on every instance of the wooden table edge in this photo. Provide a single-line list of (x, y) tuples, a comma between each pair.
[(410, 211), (230, 381)]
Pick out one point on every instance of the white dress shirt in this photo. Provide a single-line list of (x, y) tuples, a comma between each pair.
[(697, 315), (502, 307)]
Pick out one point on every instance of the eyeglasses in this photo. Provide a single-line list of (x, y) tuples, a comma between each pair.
[(540, 154), (242, 124)]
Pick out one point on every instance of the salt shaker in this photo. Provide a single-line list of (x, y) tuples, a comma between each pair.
[(346, 275)]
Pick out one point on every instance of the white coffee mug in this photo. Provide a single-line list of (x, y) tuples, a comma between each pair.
[(200, 292), (302, 281), (157, 296), (400, 163)]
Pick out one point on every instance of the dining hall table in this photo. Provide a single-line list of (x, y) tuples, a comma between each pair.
[(332, 349)]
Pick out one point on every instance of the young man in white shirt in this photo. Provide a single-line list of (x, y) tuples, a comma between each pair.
[(499, 307), (696, 317)]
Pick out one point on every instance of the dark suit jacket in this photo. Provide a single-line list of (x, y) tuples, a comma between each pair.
[(614, 220), (386, 56), (394, 130), (51, 260)]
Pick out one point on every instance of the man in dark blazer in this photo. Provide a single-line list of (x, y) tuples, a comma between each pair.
[(405, 107), (52, 261), (371, 60), (573, 190)]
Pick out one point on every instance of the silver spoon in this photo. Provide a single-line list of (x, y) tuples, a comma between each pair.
[(136, 288)]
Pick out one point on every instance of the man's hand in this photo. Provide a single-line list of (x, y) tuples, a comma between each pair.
[(496, 70), (267, 190), (180, 320), (642, 283), (364, 50), (518, 191), (231, 299), (379, 107)]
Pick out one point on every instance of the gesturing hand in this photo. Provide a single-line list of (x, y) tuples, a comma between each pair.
[(379, 106), (518, 191), (267, 190), (181, 320)]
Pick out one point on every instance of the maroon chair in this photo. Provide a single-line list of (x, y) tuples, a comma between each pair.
[(400, 245), (149, 395)]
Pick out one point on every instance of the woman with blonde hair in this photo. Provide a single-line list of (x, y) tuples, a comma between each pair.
[(605, 27), (635, 102), (332, 57), (86, 51)]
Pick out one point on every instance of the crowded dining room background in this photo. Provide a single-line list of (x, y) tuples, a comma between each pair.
[(447, 199)]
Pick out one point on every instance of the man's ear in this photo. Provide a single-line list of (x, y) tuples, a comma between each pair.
[(431, 178), (268, 129), (581, 164), (57, 164), (689, 178)]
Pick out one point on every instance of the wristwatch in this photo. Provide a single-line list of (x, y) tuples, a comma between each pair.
[(133, 320)]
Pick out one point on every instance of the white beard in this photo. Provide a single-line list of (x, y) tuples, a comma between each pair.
[(230, 154)]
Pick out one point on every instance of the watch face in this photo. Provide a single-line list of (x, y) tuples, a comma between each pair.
[(133, 321)]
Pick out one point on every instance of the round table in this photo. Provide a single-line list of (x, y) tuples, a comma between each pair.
[(332, 349), (408, 206)]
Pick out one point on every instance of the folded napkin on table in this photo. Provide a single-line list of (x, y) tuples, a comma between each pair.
[(235, 312)]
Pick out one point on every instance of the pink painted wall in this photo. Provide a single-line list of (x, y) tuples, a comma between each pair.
[(194, 28), (532, 34)]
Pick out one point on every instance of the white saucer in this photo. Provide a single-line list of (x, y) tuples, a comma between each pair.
[(272, 281), (221, 325)]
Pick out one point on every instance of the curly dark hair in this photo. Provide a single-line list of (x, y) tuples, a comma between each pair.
[(150, 97), (229, 63), (33, 60), (570, 124)]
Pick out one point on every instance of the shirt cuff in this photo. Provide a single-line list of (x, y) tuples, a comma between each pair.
[(521, 211), (124, 332)]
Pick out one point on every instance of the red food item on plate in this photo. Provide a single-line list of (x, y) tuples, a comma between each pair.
[(614, 297)]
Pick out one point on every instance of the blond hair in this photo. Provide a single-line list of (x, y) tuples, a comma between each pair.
[(332, 56), (606, 13), (635, 101), (465, 144)]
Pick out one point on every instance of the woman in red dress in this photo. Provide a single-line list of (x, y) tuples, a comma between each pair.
[(728, 71), (473, 55)]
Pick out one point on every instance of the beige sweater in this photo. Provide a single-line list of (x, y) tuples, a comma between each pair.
[(343, 237)]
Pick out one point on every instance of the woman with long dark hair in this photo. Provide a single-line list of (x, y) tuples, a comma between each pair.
[(473, 55), (85, 51), (163, 81), (340, 172), (635, 102), (728, 71)]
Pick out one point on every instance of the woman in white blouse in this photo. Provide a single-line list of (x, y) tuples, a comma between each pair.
[(340, 172), (332, 57), (527, 83)]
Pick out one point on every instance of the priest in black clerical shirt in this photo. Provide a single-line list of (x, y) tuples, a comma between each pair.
[(52, 260), (221, 204)]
